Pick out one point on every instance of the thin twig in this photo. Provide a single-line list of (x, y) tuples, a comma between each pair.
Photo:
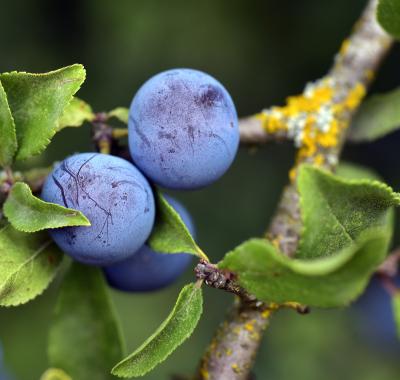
[(231, 354), (252, 132)]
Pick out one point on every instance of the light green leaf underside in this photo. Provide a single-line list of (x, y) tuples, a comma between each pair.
[(37, 101), (8, 145), (28, 264), (85, 338), (55, 374), (388, 15), (347, 230), (396, 311), (170, 235), (335, 211), (28, 213), (378, 116), (178, 326), (120, 113), (75, 114), (326, 282)]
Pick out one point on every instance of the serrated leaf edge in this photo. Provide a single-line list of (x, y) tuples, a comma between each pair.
[(53, 131), (86, 119), (14, 132), (306, 267), (195, 250), (343, 181), (195, 288), (29, 260), (85, 220)]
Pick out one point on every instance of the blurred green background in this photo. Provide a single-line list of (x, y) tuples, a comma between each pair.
[(262, 50)]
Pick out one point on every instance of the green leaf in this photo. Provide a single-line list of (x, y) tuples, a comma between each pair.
[(170, 234), (85, 338), (378, 116), (120, 113), (178, 326), (55, 374), (348, 170), (347, 230), (324, 282), (335, 211), (28, 264), (8, 144), (75, 114), (388, 14), (396, 311), (28, 213), (37, 101)]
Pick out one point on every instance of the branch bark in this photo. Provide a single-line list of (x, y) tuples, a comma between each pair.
[(232, 351), (354, 67), (252, 132)]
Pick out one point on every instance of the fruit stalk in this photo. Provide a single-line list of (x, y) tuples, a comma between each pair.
[(233, 349)]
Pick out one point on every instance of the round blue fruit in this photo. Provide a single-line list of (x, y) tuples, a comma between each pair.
[(375, 316), (147, 270), (183, 129), (4, 374), (113, 195)]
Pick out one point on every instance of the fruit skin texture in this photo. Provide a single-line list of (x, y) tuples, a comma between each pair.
[(113, 195), (183, 129), (147, 270)]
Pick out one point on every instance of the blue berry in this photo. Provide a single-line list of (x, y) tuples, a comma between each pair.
[(113, 195), (147, 270), (4, 374), (374, 308), (183, 129)]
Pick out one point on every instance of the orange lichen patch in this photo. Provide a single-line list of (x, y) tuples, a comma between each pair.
[(235, 368), (273, 306), (292, 174), (355, 96), (313, 119), (272, 122), (204, 374), (344, 47), (319, 160), (266, 313), (249, 326), (292, 305)]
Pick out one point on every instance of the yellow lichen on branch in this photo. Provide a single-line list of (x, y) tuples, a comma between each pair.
[(314, 120)]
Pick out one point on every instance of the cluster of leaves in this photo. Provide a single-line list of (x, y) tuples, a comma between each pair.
[(33, 107), (347, 227)]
